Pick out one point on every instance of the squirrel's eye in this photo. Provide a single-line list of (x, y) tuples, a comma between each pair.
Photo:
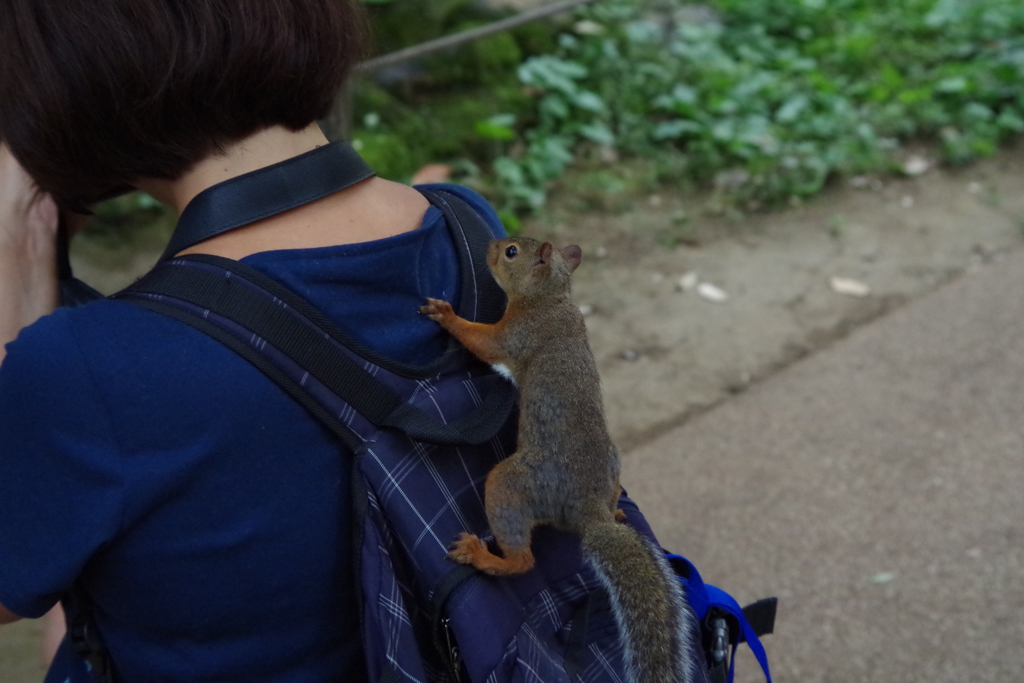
[(511, 252)]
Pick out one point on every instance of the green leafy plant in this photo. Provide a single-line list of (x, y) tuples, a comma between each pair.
[(767, 99)]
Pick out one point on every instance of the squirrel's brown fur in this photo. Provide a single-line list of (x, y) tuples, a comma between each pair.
[(566, 469)]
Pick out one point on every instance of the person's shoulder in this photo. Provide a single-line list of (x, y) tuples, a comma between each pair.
[(45, 377), (69, 336), (110, 314), (44, 346), (475, 200)]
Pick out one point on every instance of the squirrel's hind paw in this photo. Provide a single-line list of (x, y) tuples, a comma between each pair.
[(467, 548)]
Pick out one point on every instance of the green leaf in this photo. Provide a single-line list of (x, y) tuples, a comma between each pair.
[(552, 73), (944, 12), (792, 109), (511, 221), (953, 84), (555, 106), (497, 127), (509, 171), (670, 130), (684, 94), (599, 133), (978, 111), (1010, 120), (146, 202), (589, 101)]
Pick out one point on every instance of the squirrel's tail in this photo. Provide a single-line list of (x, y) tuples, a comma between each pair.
[(650, 609)]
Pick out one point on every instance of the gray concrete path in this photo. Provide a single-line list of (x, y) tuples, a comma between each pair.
[(876, 487)]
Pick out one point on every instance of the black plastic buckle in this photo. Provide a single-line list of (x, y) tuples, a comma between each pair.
[(717, 645), (719, 642)]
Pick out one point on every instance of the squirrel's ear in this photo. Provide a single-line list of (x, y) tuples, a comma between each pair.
[(544, 253), (573, 256)]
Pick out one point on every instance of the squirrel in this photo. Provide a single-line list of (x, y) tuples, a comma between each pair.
[(565, 472)]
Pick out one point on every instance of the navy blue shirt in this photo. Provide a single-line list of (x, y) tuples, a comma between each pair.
[(207, 512)]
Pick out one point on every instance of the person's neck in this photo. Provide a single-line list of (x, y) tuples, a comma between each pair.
[(267, 147), (369, 210)]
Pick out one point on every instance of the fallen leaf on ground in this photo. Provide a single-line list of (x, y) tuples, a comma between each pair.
[(916, 165), (711, 293), (848, 286)]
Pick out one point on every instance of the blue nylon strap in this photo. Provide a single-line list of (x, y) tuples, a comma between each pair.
[(703, 597), (722, 600)]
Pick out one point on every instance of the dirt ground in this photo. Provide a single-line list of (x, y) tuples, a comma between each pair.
[(668, 345), (668, 349)]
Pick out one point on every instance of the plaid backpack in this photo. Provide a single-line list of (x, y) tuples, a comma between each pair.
[(423, 441)]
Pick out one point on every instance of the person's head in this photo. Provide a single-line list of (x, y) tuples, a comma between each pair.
[(97, 94)]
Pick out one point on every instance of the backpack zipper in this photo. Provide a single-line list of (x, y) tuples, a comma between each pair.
[(444, 638), (454, 658)]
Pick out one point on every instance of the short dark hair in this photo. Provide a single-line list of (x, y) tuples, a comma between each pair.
[(96, 94)]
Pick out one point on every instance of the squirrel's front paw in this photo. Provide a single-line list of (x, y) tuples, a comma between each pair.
[(437, 310)]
